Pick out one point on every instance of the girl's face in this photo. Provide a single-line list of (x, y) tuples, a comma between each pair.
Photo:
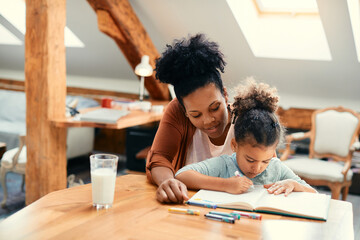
[(206, 108), (252, 160)]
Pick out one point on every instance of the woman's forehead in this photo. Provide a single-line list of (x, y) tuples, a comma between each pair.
[(202, 97)]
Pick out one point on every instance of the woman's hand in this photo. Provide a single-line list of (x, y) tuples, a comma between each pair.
[(285, 186), (236, 185), (172, 190)]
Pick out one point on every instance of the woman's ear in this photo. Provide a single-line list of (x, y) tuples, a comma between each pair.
[(233, 145), (226, 95)]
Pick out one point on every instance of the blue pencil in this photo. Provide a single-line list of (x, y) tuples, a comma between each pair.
[(208, 205), (220, 218)]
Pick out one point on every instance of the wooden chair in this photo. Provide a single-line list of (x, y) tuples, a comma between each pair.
[(334, 135), (13, 160), (2, 149)]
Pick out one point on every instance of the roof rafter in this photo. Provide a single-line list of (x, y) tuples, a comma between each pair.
[(118, 20)]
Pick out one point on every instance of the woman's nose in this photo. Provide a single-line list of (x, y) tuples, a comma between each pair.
[(208, 119)]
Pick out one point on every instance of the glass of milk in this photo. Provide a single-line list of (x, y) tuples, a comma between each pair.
[(103, 175)]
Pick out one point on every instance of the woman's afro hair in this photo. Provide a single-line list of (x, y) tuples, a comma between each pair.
[(186, 60)]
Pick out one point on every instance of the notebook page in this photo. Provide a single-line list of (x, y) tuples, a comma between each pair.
[(298, 203), (228, 199)]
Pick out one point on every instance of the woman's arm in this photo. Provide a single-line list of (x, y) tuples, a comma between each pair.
[(161, 174), (172, 138), (167, 154)]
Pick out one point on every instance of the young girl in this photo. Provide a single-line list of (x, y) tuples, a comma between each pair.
[(257, 134)]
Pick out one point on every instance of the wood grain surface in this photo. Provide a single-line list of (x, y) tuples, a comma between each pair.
[(68, 214)]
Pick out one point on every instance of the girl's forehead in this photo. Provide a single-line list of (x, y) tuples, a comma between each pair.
[(258, 153)]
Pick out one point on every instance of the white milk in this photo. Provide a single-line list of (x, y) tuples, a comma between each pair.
[(103, 185)]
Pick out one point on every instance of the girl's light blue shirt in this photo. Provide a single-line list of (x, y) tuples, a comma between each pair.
[(225, 166)]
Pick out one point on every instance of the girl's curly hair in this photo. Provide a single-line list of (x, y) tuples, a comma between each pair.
[(189, 64), (254, 114)]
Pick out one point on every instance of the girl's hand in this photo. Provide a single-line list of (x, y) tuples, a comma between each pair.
[(285, 186), (236, 185)]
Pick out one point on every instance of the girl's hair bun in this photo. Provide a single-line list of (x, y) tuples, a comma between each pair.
[(253, 95)]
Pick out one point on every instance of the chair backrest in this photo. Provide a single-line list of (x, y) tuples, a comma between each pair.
[(333, 132)]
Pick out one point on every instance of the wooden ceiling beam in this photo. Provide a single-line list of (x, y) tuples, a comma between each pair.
[(118, 20)]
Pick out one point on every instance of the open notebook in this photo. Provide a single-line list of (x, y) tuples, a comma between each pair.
[(103, 115), (297, 204)]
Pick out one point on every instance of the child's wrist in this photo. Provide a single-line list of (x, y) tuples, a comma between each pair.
[(298, 187), (226, 184)]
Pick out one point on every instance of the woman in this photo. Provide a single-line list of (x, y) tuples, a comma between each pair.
[(196, 124)]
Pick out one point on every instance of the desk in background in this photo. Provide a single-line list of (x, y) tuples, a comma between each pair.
[(68, 214), (41, 177), (134, 118)]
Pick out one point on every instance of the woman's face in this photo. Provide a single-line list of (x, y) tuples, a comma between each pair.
[(206, 108), (252, 160)]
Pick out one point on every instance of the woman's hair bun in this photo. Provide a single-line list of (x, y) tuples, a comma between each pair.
[(188, 59), (253, 95)]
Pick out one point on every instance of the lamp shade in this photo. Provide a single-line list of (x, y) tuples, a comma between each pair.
[(144, 69)]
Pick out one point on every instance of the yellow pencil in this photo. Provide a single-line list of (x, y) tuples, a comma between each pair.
[(184, 211)]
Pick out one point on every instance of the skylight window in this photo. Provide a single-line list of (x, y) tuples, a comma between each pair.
[(285, 29), (354, 10), (14, 12), (292, 7)]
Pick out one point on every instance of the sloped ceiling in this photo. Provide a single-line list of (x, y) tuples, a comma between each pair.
[(309, 84)]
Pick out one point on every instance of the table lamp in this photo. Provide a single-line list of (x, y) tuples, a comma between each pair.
[(143, 69)]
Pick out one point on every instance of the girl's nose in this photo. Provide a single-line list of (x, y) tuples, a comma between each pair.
[(256, 168)]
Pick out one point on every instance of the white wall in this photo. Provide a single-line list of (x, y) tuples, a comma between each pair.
[(304, 84), (110, 84)]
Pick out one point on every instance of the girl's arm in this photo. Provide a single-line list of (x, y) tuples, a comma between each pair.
[(195, 180), (302, 188), (290, 181)]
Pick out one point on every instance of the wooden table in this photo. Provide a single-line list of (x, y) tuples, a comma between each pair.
[(68, 214)]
